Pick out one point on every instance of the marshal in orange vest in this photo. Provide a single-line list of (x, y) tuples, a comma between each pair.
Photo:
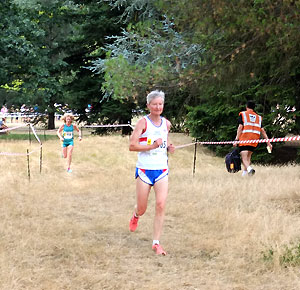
[(252, 127)]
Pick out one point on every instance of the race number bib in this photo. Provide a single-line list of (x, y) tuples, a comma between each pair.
[(68, 135), (161, 150)]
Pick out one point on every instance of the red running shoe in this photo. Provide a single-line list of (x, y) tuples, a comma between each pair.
[(133, 223), (159, 250)]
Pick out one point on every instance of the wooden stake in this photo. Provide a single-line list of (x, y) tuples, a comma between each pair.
[(195, 154), (29, 136), (28, 167), (41, 158)]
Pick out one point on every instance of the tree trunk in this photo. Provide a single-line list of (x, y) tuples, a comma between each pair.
[(126, 130), (51, 121), (297, 118)]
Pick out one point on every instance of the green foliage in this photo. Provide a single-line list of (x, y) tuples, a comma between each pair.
[(212, 55), (135, 10), (145, 57), (36, 33), (114, 112), (251, 53), (16, 49), (208, 56), (83, 87)]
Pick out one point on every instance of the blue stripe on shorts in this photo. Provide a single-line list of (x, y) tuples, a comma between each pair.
[(150, 176)]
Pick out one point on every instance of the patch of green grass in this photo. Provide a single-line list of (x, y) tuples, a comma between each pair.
[(289, 258), (24, 136), (268, 255)]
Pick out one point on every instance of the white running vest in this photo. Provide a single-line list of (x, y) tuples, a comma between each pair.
[(156, 158)]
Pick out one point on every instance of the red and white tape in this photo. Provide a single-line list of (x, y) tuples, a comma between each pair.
[(13, 128), (22, 154), (108, 126), (284, 139)]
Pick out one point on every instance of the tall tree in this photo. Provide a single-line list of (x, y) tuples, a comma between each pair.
[(228, 52), (17, 51), (95, 21), (146, 57), (252, 52), (46, 79)]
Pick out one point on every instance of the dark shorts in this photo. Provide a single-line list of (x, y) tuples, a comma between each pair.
[(246, 148), (67, 143)]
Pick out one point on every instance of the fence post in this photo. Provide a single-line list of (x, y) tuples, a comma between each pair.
[(29, 136), (41, 158), (195, 154), (28, 167)]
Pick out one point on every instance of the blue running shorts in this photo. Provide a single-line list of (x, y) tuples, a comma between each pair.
[(151, 176), (68, 143)]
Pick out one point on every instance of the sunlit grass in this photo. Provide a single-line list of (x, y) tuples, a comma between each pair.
[(70, 231)]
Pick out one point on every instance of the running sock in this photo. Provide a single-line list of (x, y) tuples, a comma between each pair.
[(155, 242), (249, 168)]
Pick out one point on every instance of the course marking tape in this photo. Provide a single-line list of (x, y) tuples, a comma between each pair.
[(34, 133), (12, 128), (22, 154), (108, 126), (271, 140)]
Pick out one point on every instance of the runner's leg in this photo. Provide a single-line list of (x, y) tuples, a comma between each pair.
[(142, 194), (64, 152), (69, 160), (161, 193)]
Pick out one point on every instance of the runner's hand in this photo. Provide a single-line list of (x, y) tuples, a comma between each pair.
[(171, 148)]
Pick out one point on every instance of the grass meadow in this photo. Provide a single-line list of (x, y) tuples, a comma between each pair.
[(70, 231)]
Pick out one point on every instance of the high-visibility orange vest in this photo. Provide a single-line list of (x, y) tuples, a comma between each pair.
[(252, 127)]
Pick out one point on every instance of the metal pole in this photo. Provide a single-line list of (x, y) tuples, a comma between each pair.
[(28, 167), (195, 154)]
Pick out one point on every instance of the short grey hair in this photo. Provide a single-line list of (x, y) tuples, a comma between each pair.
[(155, 94)]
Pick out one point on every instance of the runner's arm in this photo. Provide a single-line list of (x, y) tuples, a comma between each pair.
[(134, 144), (171, 147), (79, 132), (59, 132)]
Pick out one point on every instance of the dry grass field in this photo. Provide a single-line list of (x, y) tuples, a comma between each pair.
[(70, 231)]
